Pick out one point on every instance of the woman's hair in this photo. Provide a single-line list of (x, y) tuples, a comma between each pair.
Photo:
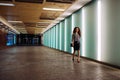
[(79, 32)]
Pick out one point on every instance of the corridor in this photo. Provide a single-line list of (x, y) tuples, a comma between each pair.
[(42, 63)]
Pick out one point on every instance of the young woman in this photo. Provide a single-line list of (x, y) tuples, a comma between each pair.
[(76, 42)]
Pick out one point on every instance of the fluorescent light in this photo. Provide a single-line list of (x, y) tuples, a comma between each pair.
[(83, 33), (43, 22), (15, 21), (6, 4), (60, 18), (60, 36), (65, 36), (99, 29), (72, 30), (53, 9)]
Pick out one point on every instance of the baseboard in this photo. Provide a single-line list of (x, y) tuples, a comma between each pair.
[(104, 63)]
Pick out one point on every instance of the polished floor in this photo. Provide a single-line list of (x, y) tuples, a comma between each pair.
[(41, 63)]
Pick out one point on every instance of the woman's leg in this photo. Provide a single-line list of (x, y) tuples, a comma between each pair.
[(78, 56), (73, 55)]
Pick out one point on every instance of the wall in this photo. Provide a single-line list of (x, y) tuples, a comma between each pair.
[(89, 30), (100, 27), (2, 39), (111, 31), (61, 33)]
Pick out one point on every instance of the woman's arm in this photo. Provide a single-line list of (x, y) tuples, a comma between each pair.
[(73, 39)]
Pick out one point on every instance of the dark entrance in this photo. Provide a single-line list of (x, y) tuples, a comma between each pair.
[(28, 39)]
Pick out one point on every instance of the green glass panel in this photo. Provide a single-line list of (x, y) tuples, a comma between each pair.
[(68, 33), (60, 35), (111, 31), (90, 19), (58, 25), (56, 36), (63, 32)]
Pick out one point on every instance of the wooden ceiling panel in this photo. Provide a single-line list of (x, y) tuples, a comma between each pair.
[(28, 6), (39, 30), (18, 24), (42, 24), (48, 16), (56, 5), (52, 15), (30, 1), (8, 10), (61, 1), (30, 30), (31, 14), (30, 24), (11, 17)]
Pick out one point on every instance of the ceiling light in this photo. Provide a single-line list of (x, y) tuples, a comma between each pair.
[(60, 18), (15, 21), (53, 9), (6, 4), (43, 22)]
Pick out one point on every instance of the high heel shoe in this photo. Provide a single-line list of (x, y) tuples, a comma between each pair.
[(78, 60), (73, 59)]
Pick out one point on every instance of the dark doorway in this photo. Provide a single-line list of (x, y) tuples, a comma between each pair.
[(28, 39)]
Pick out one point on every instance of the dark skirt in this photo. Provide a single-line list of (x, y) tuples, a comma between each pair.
[(76, 45)]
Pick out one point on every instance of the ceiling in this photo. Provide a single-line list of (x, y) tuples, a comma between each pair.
[(30, 16)]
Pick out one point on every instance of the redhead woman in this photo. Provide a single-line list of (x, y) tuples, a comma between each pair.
[(76, 42)]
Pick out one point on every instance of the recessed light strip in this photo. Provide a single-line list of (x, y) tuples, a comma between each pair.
[(15, 21), (53, 9), (6, 4)]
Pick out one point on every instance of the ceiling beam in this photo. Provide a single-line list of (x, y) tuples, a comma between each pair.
[(13, 1), (8, 24)]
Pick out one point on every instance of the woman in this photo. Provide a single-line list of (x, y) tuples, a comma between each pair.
[(76, 42)]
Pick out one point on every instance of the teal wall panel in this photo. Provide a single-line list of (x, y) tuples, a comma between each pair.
[(59, 36), (63, 34), (48, 38), (90, 19), (111, 32), (77, 19), (53, 37), (87, 19), (68, 33), (51, 33)]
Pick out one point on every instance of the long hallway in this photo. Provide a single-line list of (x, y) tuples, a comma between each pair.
[(42, 63)]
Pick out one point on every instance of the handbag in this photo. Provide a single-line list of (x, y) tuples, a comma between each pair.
[(71, 45)]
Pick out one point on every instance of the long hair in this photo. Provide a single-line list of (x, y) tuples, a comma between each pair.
[(79, 32)]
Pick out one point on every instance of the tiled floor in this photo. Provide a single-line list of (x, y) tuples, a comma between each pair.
[(41, 63)]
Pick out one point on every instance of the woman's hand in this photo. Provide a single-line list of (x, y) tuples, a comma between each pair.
[(72, 44)]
